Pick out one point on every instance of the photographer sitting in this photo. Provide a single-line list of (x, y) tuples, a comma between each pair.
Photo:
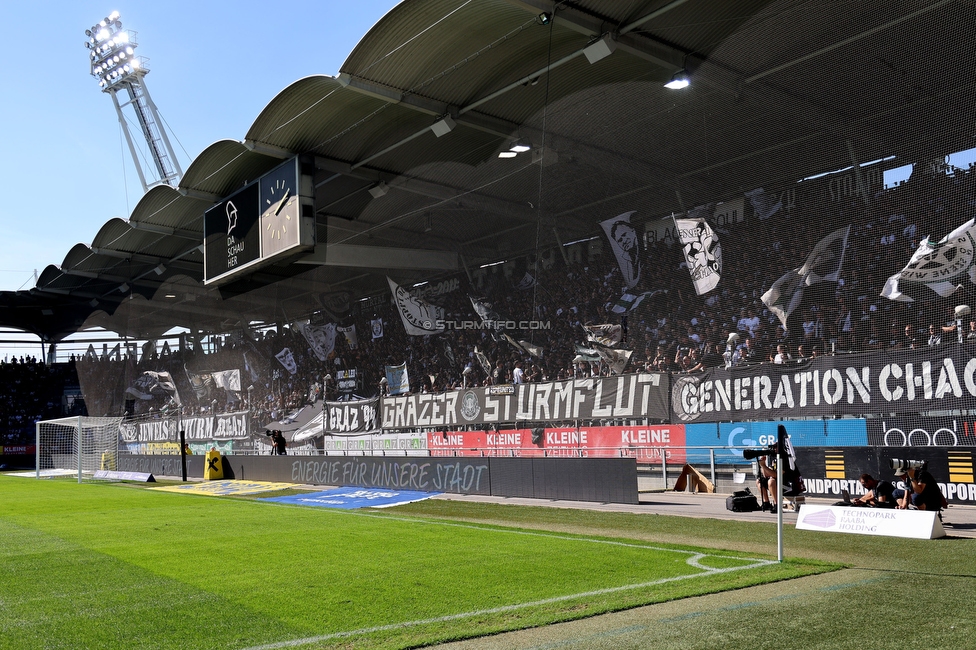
[(878, 494), (920, 491), (766, 482)]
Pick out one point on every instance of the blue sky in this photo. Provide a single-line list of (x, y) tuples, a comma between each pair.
[(213, 67)]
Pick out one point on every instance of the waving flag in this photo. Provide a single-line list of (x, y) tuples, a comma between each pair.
[(702, 252), (626, 247), (419, 317), (823, 265), (151, 384), (941, 266)]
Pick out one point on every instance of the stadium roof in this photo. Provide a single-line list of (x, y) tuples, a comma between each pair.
[(780, 90)]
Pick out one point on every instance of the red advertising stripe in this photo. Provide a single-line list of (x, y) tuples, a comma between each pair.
[(642, 442)]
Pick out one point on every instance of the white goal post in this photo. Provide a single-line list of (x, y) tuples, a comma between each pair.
[(76, 445)]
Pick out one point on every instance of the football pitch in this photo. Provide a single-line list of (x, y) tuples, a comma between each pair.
[(119, 566)]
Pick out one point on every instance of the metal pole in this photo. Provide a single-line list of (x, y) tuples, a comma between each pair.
[(183, 450), (79, 449), (779, 509), (711, 460), (664, 468)]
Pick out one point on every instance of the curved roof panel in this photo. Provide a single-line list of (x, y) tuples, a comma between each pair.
[(781, 90), (224, 167)]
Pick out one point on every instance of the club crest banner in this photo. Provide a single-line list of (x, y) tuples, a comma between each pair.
[(635, 395)]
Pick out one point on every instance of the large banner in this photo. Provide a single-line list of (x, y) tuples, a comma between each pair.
[(627, 396), (229, 426), (899, 381)]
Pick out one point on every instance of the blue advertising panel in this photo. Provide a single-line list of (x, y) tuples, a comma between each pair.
[(803, 433)]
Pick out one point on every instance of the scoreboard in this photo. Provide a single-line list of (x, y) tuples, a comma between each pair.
[(264, 222)]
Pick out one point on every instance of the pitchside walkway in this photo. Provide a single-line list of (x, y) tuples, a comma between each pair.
[(958, 521)]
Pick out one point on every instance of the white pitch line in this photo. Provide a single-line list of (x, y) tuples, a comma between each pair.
[(695, 561)]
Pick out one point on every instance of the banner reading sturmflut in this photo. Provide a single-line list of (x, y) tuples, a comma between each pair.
[(637, 395)]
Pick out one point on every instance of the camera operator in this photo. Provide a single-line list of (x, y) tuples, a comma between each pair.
[(766, 482), (278, 442), (878, 494), (921, 490)]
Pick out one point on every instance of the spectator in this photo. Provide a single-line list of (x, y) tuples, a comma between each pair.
[(878, 494)]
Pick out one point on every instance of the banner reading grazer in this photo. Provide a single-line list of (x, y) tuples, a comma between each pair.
[(229, 426), (639, 395), (899, 381)]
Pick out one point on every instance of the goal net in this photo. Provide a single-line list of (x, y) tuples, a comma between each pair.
[(77, 446)]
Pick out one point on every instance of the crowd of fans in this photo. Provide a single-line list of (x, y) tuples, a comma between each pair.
[(673, 330), (33, 391)]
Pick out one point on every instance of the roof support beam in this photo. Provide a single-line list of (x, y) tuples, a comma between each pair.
[(432, 107), (164, 230)]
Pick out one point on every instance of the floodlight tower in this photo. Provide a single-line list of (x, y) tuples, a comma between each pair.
[(115, 65)]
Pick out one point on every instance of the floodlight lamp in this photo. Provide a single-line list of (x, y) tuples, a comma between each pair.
[(678, 81), (103, 34), (113, 16), (160, 269), (123, 287), (600, 49), (544, 18), (443, 126), (135, 64), (507, 154), (378, 190), (519, 146), (94, 302)]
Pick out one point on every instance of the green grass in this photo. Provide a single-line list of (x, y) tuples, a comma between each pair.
[(114, 566)]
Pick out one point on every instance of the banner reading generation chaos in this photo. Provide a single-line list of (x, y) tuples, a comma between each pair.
[(940, 377), (638, 395)]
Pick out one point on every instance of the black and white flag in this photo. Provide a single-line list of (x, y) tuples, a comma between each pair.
[(605, 334), (419, 318), (151, 384), (485, 310), (482, 361), (625, 243), (703, 253), (321, 338), (942, 266), (376, 327), (287, 359), (350, 333), (824, 264)]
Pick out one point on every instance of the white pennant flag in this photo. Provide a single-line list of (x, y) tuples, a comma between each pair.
[(419, 317), (228, 379), (702, 252), (941, 266)]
